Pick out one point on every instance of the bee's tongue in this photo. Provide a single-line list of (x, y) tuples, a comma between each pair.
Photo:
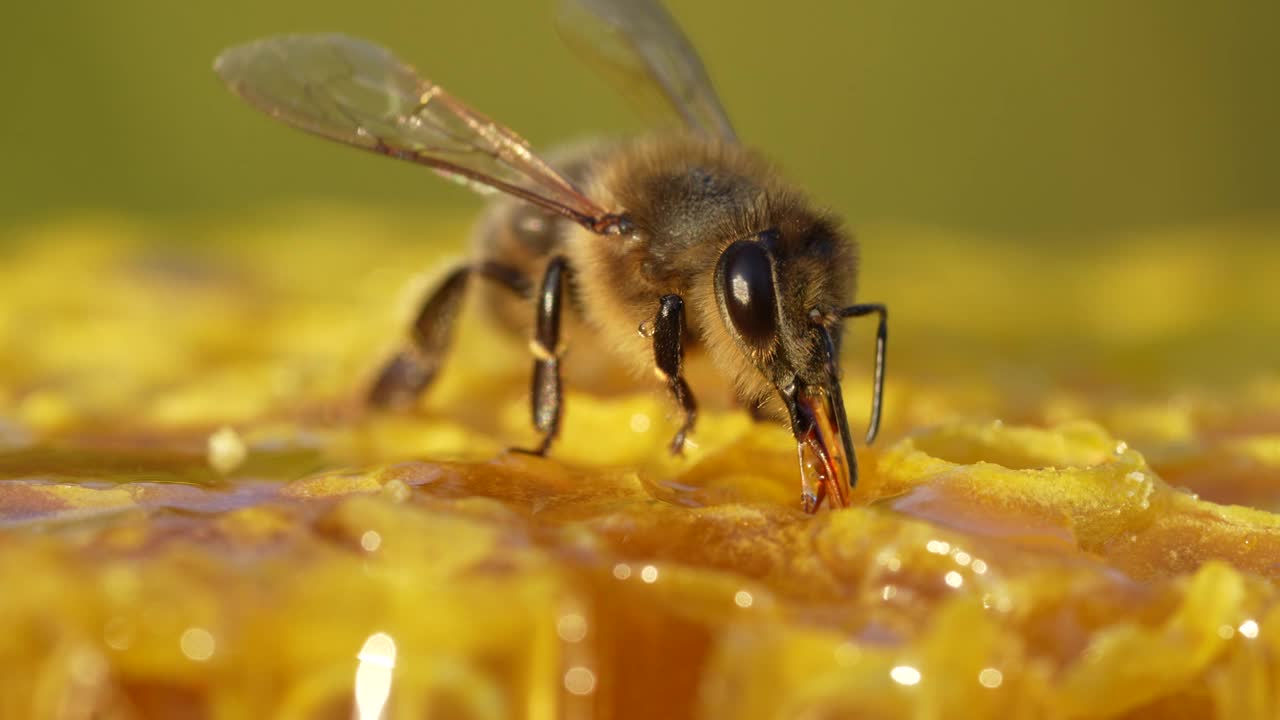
[(824, 447)]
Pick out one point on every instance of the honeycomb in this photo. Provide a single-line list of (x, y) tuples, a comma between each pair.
[(1071, 512)]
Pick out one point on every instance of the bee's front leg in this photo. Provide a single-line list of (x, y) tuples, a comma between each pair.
[(882, 340), (668, 355)]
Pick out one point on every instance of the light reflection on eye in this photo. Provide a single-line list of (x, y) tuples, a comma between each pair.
[(740, 290), (954, 579), (622, 571), (649, 574), (743, 599), (1249, 629), (373, 675), (938, 547)]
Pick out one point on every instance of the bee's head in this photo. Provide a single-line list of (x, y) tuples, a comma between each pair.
[(779, 293)]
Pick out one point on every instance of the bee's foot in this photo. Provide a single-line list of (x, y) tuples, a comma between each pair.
[(677, 444), (539, 451)]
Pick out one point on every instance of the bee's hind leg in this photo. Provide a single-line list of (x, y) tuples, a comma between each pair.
[(411, 370), (668, 356)]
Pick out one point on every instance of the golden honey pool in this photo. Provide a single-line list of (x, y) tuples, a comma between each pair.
[(1071, 512)]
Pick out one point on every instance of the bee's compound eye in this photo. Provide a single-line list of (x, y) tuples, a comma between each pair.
[(747, 285)]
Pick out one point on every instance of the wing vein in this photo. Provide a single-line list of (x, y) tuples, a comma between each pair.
[(357, 93)]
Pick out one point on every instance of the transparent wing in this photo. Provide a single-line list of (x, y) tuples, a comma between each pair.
[(358, 93), (641, 49)]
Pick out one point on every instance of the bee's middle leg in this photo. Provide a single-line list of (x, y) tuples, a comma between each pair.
[(546, 394), (668, 356), (408, 373)]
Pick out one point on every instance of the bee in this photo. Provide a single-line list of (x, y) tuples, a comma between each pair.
[(679, 241)]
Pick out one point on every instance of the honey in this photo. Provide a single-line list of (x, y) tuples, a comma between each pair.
[(198, 520)]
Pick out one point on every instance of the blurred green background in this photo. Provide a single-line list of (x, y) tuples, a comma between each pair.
[(1052, 119)]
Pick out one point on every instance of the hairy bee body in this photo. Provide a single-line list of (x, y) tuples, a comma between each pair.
[(689, 197)]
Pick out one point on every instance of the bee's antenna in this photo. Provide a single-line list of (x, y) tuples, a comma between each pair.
[(882, 340)]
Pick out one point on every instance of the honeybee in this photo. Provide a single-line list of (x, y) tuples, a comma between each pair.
[(682, 241)]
